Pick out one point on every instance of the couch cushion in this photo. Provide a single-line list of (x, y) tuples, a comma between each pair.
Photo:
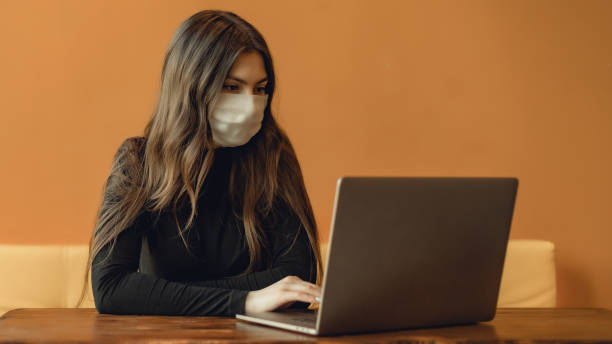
[(42, 276), (529, 277), (37, 276)]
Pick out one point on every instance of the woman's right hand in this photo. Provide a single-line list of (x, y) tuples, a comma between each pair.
[(281, 295)]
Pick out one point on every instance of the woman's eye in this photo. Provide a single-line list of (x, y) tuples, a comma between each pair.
[(235, 88)]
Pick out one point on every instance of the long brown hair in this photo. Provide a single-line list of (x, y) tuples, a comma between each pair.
[(174, 157)]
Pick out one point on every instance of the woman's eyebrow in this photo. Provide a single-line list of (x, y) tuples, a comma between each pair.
[(244, 82)]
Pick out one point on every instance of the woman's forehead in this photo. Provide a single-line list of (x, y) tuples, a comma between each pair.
[(249, 67)]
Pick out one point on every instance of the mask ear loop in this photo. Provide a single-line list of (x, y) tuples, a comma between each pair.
[(210, 142)]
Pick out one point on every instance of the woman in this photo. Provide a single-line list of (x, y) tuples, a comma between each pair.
[(207, 213)]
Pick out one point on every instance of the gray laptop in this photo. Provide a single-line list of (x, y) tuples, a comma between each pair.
[(409, 252)]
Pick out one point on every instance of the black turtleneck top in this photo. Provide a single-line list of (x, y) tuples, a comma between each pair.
[(150, 271)]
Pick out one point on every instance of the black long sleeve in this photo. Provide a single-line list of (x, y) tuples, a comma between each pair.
[(119, 288), (150, 271), (291, 258)]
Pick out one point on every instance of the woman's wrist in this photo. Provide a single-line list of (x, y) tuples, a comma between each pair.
[(248, 302)]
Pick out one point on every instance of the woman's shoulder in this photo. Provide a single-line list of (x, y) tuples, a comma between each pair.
[(132, 144), (128, 158), (130, 150)]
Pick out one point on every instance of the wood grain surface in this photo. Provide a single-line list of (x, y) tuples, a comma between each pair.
[(67, 325)]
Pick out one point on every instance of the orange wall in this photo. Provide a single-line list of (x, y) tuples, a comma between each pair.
[(426, 88)]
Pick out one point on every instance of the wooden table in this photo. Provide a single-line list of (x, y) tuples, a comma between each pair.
[(67, 325)]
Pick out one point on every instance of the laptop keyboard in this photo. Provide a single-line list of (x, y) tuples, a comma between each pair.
[(308, 319), (305, 318)]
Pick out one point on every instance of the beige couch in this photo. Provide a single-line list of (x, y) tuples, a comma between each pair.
[(42, 276), (52, 276), (529, 277)]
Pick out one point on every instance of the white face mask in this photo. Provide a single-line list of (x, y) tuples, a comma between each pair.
[(236, 118)]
